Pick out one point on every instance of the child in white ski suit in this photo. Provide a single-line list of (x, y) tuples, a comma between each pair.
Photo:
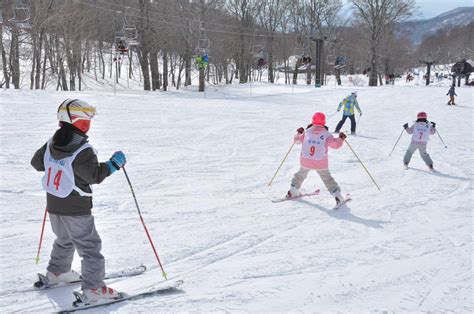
[(71, 166), (316, 141), (421, 131)]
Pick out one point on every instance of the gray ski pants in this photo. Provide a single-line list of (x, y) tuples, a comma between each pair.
[(77, 233), (422, 148), (325, 175)]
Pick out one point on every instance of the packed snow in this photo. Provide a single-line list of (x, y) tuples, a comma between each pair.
[(200, 164)]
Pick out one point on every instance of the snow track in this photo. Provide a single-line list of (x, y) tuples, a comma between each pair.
[(200, 167)]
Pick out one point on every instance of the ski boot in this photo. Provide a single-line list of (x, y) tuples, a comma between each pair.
[(293, 192), (70, 276), (96, 294)]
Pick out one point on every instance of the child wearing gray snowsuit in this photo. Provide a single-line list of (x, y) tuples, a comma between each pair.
[(70, 166), (421, 132)]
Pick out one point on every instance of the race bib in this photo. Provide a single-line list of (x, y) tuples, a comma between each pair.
[(421, 132), (58, 178), (314, 146)]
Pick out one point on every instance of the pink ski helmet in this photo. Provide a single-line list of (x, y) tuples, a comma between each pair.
[(422, 115), (319, 118)]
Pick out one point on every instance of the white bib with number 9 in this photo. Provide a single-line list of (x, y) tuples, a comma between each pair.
[(314, 146)]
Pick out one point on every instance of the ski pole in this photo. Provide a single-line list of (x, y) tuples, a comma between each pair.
[(291, 147), (396, 143), (363, 165), (445, 146), (41, 236), (332, 114), (144, 226), (358, 120)]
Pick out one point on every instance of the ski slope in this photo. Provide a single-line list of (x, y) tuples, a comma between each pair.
[(200, 163)]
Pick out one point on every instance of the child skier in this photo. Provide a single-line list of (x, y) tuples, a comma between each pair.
[(349, 103), (451, 94), (314, 156), (70, 165), (421, 132)]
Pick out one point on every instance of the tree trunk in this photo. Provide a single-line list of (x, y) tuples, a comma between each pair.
[(144, 65), (242, 64), (6, 73), (15, 58), (187, 75), (337, 73), (165, 71), (373, 69), (155, 74), (38, 60)]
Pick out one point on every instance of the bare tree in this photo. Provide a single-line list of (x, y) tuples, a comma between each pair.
[(378, 17)]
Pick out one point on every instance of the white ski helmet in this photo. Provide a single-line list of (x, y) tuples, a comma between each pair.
[(76, 112)]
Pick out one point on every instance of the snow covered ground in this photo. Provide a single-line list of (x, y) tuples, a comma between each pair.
[(200, 164)]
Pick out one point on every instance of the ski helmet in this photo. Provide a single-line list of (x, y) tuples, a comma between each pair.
[(319, 118), (76, 112), (354, 93), (422, 115)]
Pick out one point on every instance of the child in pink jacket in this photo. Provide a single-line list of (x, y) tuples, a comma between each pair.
[(316, 141)]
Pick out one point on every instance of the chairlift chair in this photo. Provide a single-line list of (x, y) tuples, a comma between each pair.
[(204, 43), (21, 14), (130, 33), (299, 52), (330, 58)]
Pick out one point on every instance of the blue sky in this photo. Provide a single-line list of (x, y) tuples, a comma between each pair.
[(432, 8)]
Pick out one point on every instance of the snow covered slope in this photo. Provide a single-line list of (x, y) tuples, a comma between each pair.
[(200, 164)]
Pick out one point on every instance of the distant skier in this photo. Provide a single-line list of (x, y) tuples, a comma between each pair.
[(71, 166), (348, 111), (451, 94), (421, 132), (316, 141)]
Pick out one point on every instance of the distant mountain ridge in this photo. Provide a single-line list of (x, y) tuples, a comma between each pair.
[(421, 28)]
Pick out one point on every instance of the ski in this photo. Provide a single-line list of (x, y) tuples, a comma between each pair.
[(82, 303), (295, 198), (346, 199), (43, 283)]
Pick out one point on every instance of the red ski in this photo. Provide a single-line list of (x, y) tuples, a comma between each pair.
[(295, 198)]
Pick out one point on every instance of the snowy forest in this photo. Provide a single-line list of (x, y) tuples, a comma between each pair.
[(163, 42)]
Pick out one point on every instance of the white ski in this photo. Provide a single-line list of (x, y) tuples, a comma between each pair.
[(43, 282), (277, 200), (82, 303)]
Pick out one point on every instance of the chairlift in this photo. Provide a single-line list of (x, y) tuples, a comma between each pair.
[(204, 43), (257, 51), (330, 58), (129, 31), (21, 14), (200, 51), (340, 62), (299, 52)]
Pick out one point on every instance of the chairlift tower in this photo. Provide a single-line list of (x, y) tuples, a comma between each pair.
[(318, 59)]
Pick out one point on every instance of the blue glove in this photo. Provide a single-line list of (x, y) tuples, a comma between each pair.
[(116, 162)]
